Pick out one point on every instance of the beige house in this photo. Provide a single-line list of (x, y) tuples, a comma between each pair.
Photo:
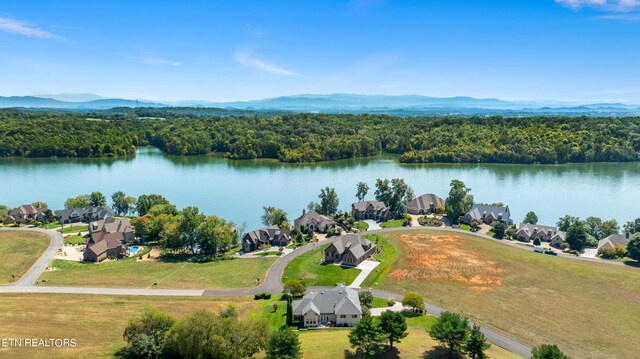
[(528, 232), (425, 204), (314, 221), (349, 249), (26, 213), (375, 210), (612, 240), (339, 306)]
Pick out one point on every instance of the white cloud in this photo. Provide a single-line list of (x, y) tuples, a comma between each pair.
[(25, 29), (247, 60), (606, 5), (621, 17), (156, 61)]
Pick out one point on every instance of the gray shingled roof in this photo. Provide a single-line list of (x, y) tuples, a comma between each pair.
[(612, 240), (362, 206), (425, 201), (477, 211), (340, 300)]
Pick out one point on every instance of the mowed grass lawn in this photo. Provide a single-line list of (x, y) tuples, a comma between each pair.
[(95, 321), (590, 310), (237, 273), (310, 269), (19, 250)]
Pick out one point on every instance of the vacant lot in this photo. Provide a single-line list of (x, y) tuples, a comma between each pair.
[(129, 273), (309, 268), (19, 250), (590, 310)]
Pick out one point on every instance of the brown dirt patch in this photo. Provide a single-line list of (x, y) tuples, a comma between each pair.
[(444, 257)]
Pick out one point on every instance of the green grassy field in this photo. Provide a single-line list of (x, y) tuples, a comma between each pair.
[(75, 239), (386, 256), (379, 302), (74, 229), (309, 268), (361, 225), (589, 309), (130, 273), (19, 250), (392, 224)]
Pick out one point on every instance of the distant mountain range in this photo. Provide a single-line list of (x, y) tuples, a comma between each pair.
[(335, 103)]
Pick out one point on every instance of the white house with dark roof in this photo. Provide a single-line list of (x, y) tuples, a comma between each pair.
[(272, 235), (487, 214), (339, 306), (349, 249), (427, 203)]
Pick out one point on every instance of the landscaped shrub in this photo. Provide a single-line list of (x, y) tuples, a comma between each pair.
[(391, 302), (429, 222), (618, 251), (263, 295)]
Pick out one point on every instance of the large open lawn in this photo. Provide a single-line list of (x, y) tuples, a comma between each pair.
[(309, 268), (97, 323), (590, 310), (19, 250), (129, 273)]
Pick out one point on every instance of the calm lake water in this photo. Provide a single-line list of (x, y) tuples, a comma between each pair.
[(237, 190)]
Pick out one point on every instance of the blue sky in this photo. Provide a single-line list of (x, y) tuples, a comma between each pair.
[(238, 50)]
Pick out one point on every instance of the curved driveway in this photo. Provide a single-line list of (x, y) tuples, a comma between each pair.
[(36, 270)]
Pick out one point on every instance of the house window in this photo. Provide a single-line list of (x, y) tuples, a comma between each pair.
[(354, 316), (343, 316)]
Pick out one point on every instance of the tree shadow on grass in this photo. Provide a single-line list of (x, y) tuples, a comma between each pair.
[(438, 353), (384, 353), (632, 264)]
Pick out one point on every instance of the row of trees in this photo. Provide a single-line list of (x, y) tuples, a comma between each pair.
[(319, 137), (205, 335)]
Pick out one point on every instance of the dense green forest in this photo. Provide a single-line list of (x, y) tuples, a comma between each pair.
[(318, 137)]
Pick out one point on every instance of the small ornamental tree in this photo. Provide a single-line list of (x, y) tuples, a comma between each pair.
[(530, 218), (536, 241), (366, 298), (452, 331), (547, 351), (366, 336), (414, 301), (294, 288), (633, 247)]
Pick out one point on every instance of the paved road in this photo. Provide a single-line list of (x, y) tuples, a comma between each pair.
[(102, 291), (32, 275)]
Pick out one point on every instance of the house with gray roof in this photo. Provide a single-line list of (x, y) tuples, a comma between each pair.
[(487, 214), (425, 204), (349, 249), (375, 210), (612, 240), (528, 232), (339, 306), (314, 221), (84, 214), (112, 225), (26, 213), (272, 235)]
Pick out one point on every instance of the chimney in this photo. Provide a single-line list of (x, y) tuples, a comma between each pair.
[(627, 235), (303, 211)]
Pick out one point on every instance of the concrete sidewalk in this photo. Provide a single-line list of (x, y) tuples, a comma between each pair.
[(366, 267)]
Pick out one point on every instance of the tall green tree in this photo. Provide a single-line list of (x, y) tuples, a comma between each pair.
[(632, 226), (119, 203), (577, 235), (366, 298), (147, 201), (97, 199), (274, 216), (547, 351), (214, 234), (609, 227), (366, 336), (40, 204), (329, 201), (284, 344), (633, 247), (530, 218), (190, 219), (459, 201), (565, 222), (146, 336), (294, 287), (362, 190), (289, 310), (394, 326), (4, 211), (77, 202), (452, 331), (594, 226), (413, 300), (476, 344)]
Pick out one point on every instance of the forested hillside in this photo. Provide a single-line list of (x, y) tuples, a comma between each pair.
[(319, 137)]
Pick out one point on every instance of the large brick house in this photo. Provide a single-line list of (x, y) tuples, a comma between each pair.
[(374, 210), (349, 249), (272, 235)]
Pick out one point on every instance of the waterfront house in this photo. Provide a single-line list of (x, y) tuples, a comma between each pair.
[(314, 221), (104, 245), (375, 210), (85, 214), (349, 249), (612, 240), (26, 213), (272, 235), (112, 225), (425, 204), (487, 214), (339, 306), (528, 232)]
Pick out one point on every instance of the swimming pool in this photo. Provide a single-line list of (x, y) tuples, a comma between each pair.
[(134, 249)]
